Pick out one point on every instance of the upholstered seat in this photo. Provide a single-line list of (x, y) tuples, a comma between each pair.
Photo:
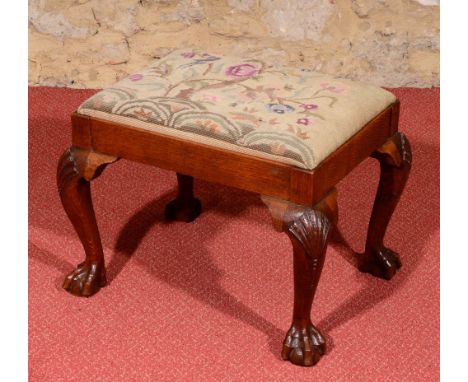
[(289, 115)]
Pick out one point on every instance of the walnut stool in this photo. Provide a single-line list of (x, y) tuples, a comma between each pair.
[(288, 134)]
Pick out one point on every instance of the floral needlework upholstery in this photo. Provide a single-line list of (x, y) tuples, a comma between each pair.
[(289, 115)]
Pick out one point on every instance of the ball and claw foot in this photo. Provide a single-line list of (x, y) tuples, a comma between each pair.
[(85, 280), (183, 210), (382, 263), (303, 345)]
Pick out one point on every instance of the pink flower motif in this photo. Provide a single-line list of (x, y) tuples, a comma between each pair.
[(303, 121), (242, 71), (135, 77), (187, 54), (332, 88), (309, 106), (210, 97), (108, 98), (336, 89), (277, 148)]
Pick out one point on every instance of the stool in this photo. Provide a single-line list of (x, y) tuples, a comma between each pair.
[(285, 133)]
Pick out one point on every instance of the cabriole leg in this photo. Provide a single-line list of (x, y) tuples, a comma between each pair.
[(308, 228), (185, 207), (76, 168), (395, 165)]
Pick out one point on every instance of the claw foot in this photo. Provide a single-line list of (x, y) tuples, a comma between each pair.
[(303, 345), (85, 280), (382, 263), (183, 210)]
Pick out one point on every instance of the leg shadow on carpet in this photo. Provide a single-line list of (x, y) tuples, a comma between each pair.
[(422, 224), (200, 277)]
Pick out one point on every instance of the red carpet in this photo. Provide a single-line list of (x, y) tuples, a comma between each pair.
[(211, 301)]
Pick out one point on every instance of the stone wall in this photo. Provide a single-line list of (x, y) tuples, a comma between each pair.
[(93, 43)]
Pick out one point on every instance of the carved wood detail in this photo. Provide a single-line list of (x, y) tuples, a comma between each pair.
[(395, 159), (308, 228), (76, 168), (396, 151)]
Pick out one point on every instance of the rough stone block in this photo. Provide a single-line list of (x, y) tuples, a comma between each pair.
[(92, 43)]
